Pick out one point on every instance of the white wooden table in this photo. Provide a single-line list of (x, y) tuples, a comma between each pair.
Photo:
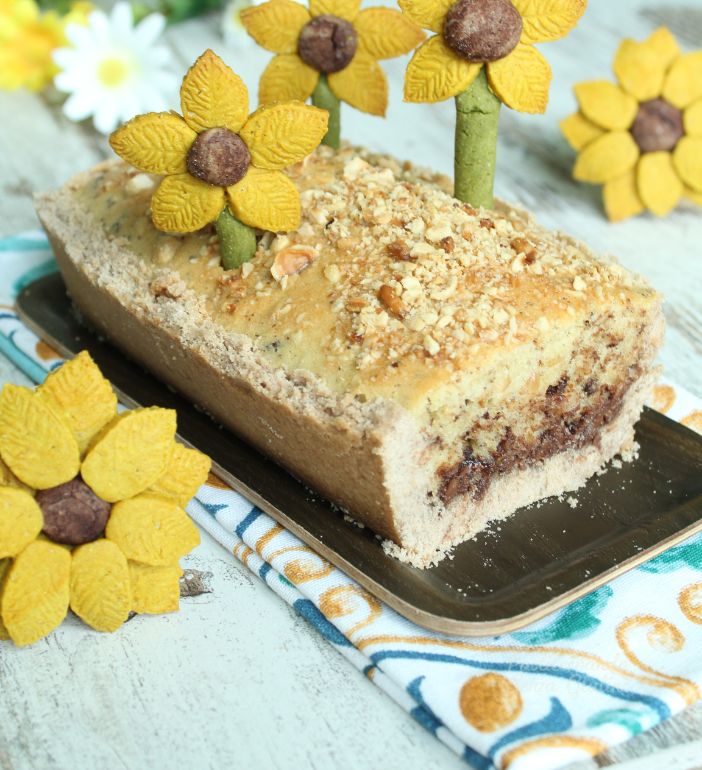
[(237, 678)]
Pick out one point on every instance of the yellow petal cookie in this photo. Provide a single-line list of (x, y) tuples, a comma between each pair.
[(213, 96), (35, 441), (266, 199), (687, 158), (84, 396), (362, 84), (151, 530), (344, 9), (429, 14), (186, 472), (101, 592), (130, 454), (157, 142), (605, 104), (546, 20), (639, 69), (275, 25), (35, 592), (693, 119), (279, 135), (183, 204), (608, 157), (385, 33), (21, 520), (155, 590), (522, 79), (659, 186), (683, 84), (579, 131), (621, 197), (287, 78), (435, 73)]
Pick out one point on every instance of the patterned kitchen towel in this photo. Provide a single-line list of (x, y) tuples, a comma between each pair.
[(610, 665)]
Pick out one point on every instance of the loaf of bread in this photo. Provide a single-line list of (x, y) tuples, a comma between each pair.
[(426, 366)]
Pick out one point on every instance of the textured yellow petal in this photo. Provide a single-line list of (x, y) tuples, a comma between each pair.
[(605, 104), (275, 25), (267, 200), (608, 157), (385, 33), (435, 73), (151, 530), (693, 195), (429, 14), (287, 78), (157, 142), (183, 204), (621, 197), (664, 44), (213, 96), (687, 158), (8, 478), (279, 135), (4, 567), (101, 589), (35, 441), (186, 472), (131, 453), (521, 80), (155, 590), (362, 85), (693, 119), (639, 69), (659, 186), (21, 520), (546, 20), (344, 9), (35, 592), (84, 395), (579, 131), (683, 84)]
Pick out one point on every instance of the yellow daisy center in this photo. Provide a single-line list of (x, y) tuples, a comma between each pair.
[(113, 71), (483, 30)]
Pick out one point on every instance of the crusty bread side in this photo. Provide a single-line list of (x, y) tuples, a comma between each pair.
[(366, 456)]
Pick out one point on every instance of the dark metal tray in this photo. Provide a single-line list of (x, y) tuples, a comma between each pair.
[(535, 562)]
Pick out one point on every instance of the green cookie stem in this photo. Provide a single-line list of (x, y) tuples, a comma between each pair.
[(237, 241), (477, 118), (323, 97)]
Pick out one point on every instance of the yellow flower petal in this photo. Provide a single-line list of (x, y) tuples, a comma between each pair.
[(435, 73), (101, 591), (385, 33), (267, 200), (659, 186), (275, 25), (287, 78), (183, 204), (579, 131), (344, 9), (546, 20), (693, 196), (157, 142), (35, 592), (21, 521), (362, 85), (521, 80), (663, 42), (639, 69), (687, 158), (693, 119), (605, 104), (213, 96), (608, 157), (278, 135), (429, 14), (683, 85), (155, 590)]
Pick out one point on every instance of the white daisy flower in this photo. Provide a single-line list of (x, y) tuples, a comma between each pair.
[(113, 69)]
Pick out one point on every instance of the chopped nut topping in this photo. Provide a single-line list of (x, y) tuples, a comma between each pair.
[(392, 302), (292, 260), (398, 250)]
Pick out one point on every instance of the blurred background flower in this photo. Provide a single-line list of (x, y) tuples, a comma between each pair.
[(114, 69), (28, 38), (233, 30)]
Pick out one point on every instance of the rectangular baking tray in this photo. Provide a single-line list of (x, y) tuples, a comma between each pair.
[(535, 562)]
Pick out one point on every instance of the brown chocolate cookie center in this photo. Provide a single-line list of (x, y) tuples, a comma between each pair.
[(658, 126), (483, 30), (73, 513), (219, 157), (327, 43)]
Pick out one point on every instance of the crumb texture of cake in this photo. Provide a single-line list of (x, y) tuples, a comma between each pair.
[(427, 366)]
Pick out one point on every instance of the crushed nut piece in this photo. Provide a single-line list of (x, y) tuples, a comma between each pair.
[(292, 260), (391, 301), (398, 250)]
